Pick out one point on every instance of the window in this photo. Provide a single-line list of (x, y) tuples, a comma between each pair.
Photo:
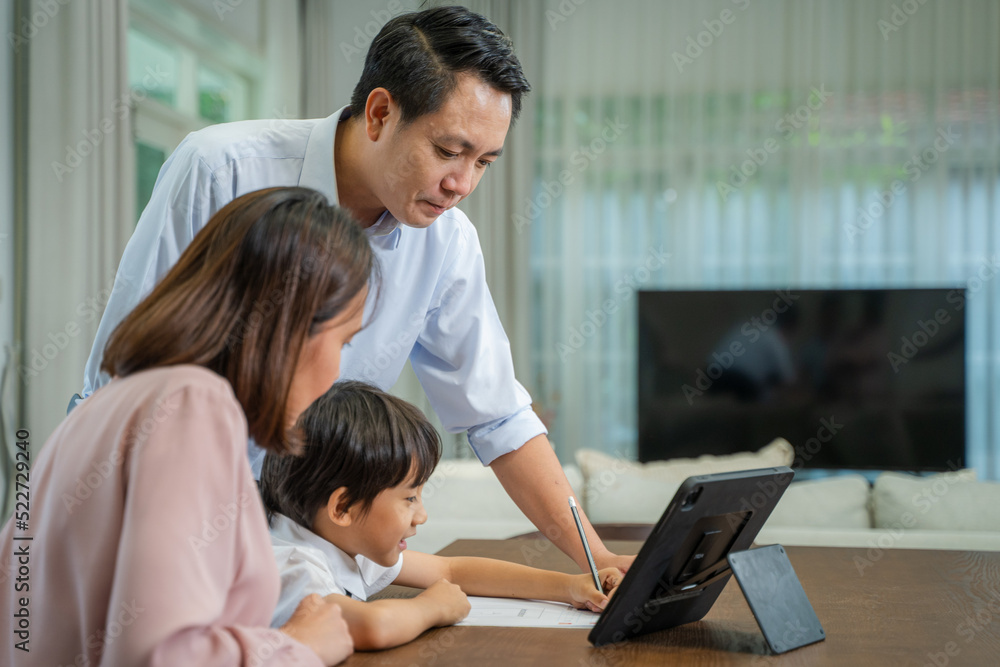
[(185, 74)]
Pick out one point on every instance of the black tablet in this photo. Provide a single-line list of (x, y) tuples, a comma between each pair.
[(682, 567)]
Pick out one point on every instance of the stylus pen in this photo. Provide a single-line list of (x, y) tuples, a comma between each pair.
[(586, 545)]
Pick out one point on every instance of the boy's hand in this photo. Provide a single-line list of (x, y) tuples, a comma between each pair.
[(585, 596), (320, 625), (449, 600)]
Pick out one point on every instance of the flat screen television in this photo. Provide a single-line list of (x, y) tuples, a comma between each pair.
[(853, 379)]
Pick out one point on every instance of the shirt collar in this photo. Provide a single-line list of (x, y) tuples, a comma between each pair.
[(346, 570), (317, 165), (319, 174), (384, 226)]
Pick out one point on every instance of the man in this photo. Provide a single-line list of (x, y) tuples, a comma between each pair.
[(439, 91)]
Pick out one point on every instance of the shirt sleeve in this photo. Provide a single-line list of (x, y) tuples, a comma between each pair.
[(185, 196), (301, 575), (193, 538), (463, 361)]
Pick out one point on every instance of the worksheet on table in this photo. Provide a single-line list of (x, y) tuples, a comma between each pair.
[(513, 613)]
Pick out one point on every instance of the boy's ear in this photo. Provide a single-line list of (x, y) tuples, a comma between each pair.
[(337, 510)]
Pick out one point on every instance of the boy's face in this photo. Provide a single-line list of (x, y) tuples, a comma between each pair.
[(393, 517)]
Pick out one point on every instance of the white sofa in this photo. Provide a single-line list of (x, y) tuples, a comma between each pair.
[(464, 500), (945, 511)]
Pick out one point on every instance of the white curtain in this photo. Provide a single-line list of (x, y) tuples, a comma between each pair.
[(80, 194), (282, 52), (336, 36), (9, 409), (644, 106), (318, 96)]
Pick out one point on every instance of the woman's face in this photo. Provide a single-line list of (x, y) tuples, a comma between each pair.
[(319, 361)]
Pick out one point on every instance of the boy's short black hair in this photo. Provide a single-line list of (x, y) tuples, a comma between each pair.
[(357, 437), (417, 57)]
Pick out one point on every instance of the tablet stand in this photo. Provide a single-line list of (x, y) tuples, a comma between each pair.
[(772, 590)]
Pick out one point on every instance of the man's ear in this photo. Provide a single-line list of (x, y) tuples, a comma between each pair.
[(380, 112), (337, 510)]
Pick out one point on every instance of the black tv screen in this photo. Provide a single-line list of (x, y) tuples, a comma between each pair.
[(853, 379)]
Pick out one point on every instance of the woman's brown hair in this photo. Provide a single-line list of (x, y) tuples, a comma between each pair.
[(265, 272)]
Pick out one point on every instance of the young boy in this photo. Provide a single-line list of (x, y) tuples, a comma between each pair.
[(341, 513)]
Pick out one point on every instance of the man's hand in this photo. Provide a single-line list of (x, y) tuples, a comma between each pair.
[(608, 559), (535, 481)]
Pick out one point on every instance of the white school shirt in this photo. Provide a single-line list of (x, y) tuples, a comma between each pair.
[(309, 564), (435, 307)]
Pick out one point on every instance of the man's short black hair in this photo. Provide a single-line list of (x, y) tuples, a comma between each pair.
[(357, 437), (417, 57)]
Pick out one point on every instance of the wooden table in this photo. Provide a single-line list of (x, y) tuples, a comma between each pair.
[(894, 607)]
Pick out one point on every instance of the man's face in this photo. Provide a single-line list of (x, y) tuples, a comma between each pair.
[(436, 161)]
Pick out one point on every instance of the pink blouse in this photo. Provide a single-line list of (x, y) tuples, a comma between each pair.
[(149, 543)]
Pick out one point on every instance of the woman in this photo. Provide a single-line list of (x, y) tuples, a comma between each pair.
[(149, 543)]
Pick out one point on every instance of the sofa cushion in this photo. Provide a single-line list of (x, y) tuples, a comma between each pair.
[(440, 531), (833, 502), (874, 542), (466, 489), (464, 500), (617, 490), (948, 501)]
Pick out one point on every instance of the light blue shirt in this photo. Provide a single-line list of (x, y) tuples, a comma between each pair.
[(435, 307)]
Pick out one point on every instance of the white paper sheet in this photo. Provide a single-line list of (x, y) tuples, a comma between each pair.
[(513, 613)]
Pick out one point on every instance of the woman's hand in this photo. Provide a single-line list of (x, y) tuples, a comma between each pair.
[(449, 600), (320, 625), (584, 594)]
